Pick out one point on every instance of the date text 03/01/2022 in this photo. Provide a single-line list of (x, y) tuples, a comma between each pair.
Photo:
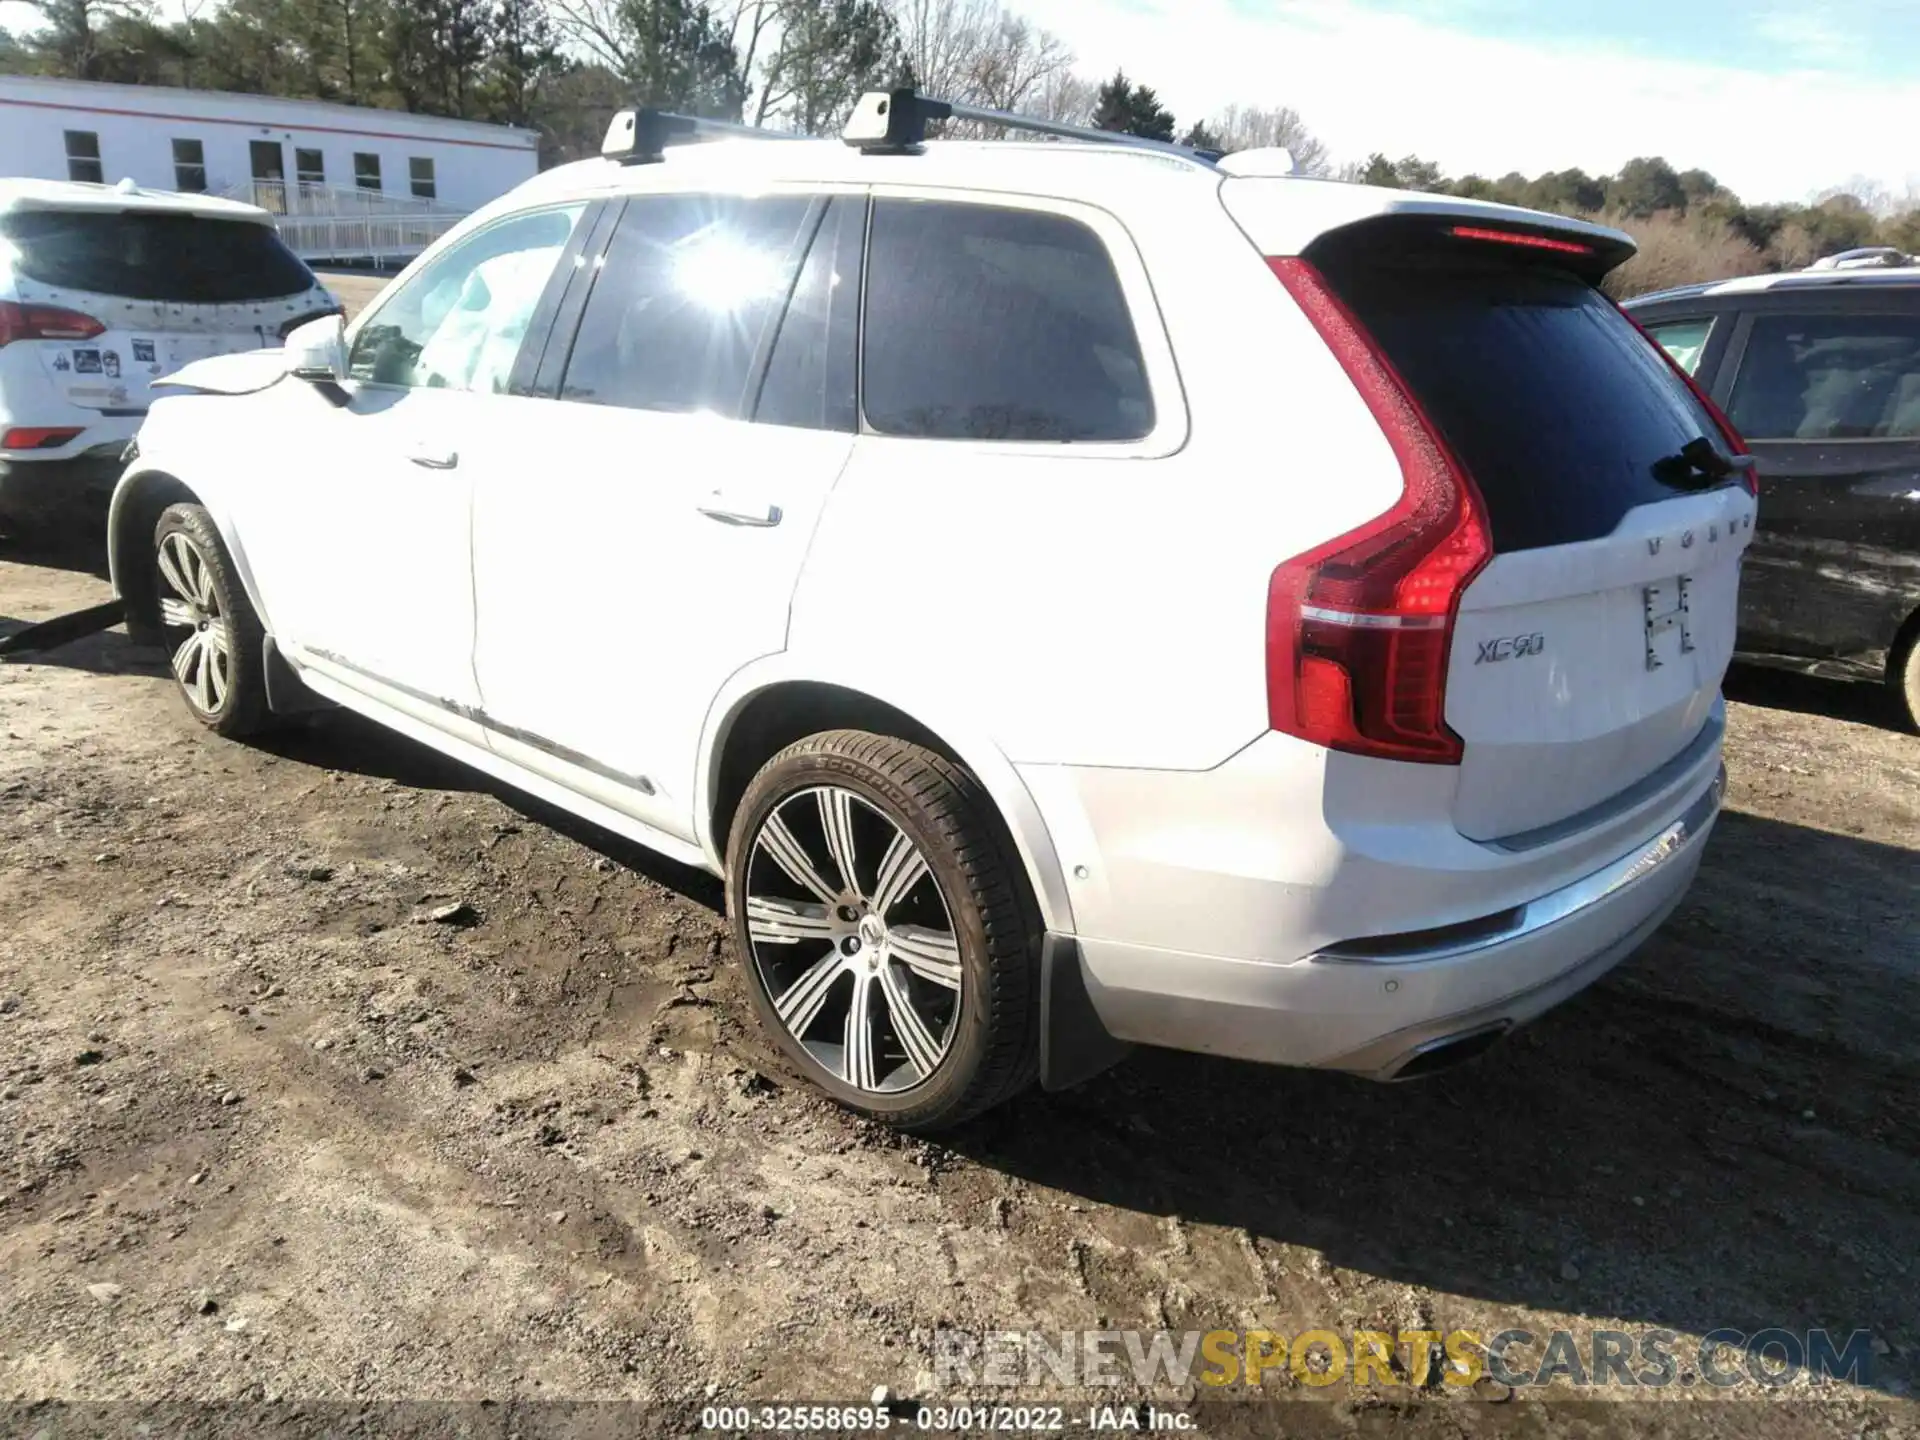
[(959, 1418)]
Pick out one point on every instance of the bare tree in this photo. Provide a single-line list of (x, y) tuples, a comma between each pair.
[(944, 41), (1255, 127), (1066, 97)]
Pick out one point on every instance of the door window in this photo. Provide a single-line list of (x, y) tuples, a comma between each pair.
[(690, 290), (986, 323), (458, 323), (1829, 377), (1684, 340)]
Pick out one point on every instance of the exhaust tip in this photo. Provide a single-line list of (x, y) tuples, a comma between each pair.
[(1451, 1050)]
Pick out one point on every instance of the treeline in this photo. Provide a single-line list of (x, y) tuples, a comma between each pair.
[(563, 66), (1690, 226)]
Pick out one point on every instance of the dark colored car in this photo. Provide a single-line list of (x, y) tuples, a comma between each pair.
[(1820, 371)]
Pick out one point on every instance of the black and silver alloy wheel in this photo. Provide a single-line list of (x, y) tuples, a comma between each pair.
[(889, 937), (199, 641), (853, 940)]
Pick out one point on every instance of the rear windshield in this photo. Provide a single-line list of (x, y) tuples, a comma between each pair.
[(180, 258), (1561, 411)]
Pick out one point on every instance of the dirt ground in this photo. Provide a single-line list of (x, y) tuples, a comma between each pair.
[(269, 1133)]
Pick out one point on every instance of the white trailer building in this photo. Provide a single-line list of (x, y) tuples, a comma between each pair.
[(350, 182)]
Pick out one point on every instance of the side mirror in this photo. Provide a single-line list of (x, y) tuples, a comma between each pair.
[(317, 350)]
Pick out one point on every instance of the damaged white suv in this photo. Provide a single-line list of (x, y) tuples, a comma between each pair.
[(1076, 595), (104, 288)]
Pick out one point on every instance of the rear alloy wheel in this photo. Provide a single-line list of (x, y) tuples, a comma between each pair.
[(883, 929), (212, 636), (1906, 682)]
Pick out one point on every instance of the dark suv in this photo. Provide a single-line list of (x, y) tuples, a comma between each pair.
[(1820, 371)]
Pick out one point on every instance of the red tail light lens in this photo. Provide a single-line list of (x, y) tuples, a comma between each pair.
[(1738, 446), (1359, 629), (45, 322), (1517, 237), (37, 437)]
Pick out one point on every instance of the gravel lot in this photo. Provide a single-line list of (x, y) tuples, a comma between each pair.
[(267, 1131)]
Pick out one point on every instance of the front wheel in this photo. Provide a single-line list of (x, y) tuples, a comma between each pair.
[(886, 933), (214, 641)]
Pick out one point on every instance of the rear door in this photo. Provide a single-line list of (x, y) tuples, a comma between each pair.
[(638, 541), (1825, 386), (163, 288), (1588, 653)]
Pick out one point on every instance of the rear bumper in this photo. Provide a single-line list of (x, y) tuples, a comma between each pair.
[(81, 483), (1375, 1016)]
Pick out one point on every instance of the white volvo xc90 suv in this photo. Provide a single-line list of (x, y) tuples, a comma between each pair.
[(1075, 595)]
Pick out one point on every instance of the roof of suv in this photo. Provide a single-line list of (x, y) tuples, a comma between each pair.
[(22, 194), (1068, 170), (1907, 275)]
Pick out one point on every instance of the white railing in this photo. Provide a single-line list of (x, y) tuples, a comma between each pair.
[(379, 239), (339, 222)]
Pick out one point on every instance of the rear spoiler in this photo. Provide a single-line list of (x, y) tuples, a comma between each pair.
[(1290, 217)]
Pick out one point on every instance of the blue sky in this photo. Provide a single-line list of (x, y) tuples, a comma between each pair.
[(1873, 38), (1777, 99)]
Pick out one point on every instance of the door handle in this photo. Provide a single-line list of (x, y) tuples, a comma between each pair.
[(429, 458), (729, 510)]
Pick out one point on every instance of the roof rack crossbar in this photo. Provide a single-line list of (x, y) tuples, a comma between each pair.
[(895, 123), (641, 136)]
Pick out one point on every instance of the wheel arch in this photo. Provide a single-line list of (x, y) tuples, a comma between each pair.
[(138, 502), (769, 706)]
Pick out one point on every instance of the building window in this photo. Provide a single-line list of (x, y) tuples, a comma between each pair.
[(83, 156), (310, 167), (366, 171), (189, 166), (420, 171)]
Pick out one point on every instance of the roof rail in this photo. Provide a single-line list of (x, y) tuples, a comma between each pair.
[(895, 123), (641, 137)]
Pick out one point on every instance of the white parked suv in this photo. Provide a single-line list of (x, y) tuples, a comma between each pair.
[(1075, 595), (103, 288)]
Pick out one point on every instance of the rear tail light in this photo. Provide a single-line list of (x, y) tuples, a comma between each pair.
[(38, 437), (1520, 238), (1735, 444), (1359, 629), (45, 322)]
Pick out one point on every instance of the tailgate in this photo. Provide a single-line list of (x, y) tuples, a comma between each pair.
[(1588, 653)]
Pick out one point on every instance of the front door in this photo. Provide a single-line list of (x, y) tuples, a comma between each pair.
[(1829, 399), (640, 545), (269, 161), (364, 539)]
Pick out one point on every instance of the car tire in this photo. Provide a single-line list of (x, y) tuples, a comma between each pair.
[(908, 991), (214, 641)]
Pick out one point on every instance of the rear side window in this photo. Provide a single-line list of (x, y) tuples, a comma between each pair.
[(985, 323), (1684, 340), (1558, 407), (179, 258), (690, 291), (1829, 377)]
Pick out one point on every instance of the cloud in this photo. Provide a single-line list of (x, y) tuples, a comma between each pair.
[(1400, 84), (1810, 39)]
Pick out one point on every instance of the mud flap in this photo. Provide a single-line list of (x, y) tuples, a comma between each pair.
[(1074, 1045), (287, 693)]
